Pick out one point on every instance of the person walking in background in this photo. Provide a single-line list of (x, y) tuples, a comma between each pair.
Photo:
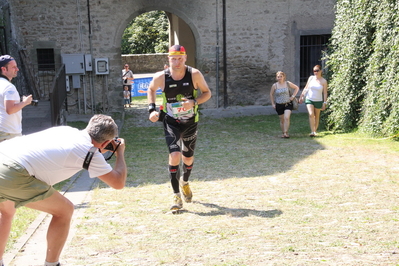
[(30, 165), (126, 97), (315, 93), (180, 84), (10, 100), (281, 99), (127, 78)]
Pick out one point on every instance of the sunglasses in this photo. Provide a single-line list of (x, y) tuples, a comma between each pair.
[(317, 70)]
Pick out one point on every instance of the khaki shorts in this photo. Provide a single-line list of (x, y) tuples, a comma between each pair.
[(5, 136), (18, 186)]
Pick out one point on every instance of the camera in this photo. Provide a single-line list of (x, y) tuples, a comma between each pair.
[(110, 146), (34, 102)]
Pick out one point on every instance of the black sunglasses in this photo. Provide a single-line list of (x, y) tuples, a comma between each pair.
[(317, 70)]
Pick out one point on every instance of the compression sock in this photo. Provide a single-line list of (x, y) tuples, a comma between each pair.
[(187, 171), (174, 179)]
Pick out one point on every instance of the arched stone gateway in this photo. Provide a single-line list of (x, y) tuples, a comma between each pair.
[(262, 37)]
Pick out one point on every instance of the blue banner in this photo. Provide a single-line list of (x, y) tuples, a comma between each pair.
[(140, 87)]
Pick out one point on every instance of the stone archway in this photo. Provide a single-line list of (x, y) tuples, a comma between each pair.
[(181, 31)]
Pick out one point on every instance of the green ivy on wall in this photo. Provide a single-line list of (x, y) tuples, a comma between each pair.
[(363, 60)]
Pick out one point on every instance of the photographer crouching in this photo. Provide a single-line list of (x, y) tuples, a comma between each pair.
[(30, 165)]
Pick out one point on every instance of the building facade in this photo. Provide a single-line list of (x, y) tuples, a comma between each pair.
[(261, 37)]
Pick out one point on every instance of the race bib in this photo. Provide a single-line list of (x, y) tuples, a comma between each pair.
[(179, 111)]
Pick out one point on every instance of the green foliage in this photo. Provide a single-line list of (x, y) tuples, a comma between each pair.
[(350, 45), (147, 33), (364, 59), (381, 108)]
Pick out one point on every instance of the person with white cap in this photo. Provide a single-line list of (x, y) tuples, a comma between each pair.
[(10, 100)]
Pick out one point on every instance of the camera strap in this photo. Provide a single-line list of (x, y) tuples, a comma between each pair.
[(88, 158)]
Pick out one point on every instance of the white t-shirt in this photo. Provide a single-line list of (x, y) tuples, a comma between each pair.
[(127, 75), (55, 154), (315, 92), (9, 123)]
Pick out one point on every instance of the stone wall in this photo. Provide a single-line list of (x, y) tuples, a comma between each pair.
[(145, 63), (262, 37)]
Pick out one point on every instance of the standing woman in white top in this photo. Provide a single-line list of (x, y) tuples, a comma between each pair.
[(316, 98)]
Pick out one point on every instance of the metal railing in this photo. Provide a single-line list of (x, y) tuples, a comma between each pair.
[(44, 79), (58, 98)]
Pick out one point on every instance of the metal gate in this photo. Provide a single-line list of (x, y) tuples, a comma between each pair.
[(312, 47)]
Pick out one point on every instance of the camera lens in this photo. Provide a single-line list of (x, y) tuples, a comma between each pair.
[(109, 147), (34, 102)]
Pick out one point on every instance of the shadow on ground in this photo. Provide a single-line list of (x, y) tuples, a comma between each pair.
[(235, 212)]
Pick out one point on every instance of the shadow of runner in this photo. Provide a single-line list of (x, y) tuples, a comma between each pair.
[(235, 212)]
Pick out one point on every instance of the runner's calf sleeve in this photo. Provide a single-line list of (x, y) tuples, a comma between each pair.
[(187, 171), (174, 179)]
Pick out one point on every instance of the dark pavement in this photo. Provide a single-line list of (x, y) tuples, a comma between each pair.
[(36, 118)]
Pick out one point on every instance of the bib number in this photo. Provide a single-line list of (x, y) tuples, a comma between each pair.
[(179, 111)]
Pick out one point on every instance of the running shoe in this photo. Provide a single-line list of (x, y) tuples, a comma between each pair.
[(177, 204), (185, 188)]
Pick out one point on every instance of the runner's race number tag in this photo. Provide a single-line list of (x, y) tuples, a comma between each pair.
[(179, 111)]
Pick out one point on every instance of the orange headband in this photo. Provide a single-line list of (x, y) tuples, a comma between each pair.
[(177, 50), (177, 53)]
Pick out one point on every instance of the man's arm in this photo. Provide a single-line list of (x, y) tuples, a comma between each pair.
[(200, 83), (157, 82), (131, 76), (117, 177), (13, 107)]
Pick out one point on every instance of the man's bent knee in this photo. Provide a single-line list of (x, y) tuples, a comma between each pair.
[(56, 205), (7, 209)]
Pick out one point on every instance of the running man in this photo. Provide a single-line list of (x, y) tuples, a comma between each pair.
[(180, 84)]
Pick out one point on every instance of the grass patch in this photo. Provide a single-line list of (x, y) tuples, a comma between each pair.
[(258, 199)]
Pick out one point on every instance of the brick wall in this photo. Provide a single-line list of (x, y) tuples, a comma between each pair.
[(262, 37), (145, 63)]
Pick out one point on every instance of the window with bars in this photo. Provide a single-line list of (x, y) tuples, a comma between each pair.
[(45, 59), (311, 50)]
